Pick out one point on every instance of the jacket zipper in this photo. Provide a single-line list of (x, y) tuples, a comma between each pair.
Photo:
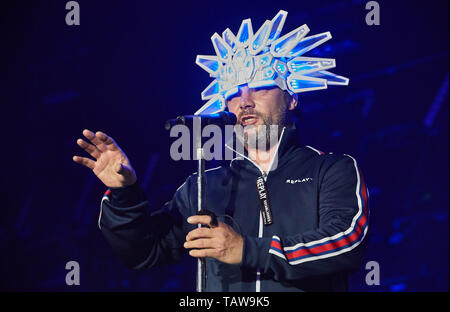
[(261, 228)]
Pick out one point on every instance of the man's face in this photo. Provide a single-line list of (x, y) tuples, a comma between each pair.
[(258, 107)]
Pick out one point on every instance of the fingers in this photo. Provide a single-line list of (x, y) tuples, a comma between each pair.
[(219, 242), (202, 253), (94, 139), (199, 219), (84, 161), (199, 233), (200, 238), (202, 232), (91, 149), (203, 243), (107, 140)]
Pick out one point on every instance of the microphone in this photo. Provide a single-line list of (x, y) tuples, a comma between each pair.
[(220, 119)]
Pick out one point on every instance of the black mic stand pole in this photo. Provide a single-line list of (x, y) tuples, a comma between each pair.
[(226, 118), (201, 182)]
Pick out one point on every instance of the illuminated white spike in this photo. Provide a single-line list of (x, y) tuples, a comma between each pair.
[(229, 38), (332, 79), (305, 65), (239, 57), (263, 60), (282, 46), (277, 26), (280, 67), (281, 83), (262, 83), (259, 40), (214, 105), (299, 83), (223, 50), (309, 43), (245, 33), (211, 90), (209, 63)]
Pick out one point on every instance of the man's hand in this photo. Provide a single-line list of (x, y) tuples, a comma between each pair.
[(220, 242), (111, 165)]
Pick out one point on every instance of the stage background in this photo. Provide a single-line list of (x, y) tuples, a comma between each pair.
[(129, 66)]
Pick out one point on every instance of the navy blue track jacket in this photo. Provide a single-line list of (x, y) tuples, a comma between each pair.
[(319, 206)]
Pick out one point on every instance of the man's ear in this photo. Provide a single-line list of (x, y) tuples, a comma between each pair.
[(293, 101)]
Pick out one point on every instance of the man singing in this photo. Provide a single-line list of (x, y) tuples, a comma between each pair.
[(291, 218)]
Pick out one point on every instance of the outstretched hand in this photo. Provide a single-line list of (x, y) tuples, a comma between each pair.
[(111, 165)]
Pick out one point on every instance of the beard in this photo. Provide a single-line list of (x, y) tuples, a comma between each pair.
[(261, 137)]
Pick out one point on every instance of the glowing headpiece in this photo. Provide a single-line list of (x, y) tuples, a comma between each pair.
[(264, 59)]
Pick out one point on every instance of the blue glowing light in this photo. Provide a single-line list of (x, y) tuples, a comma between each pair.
[(281, 67), (211, 64), (222, 50), (309, 43), (229, 38), (398, 287), (298, 84), (269, 73), (331, 78), (211, 90), (396, 238), (244, 35), (277, 24), (299, 67)]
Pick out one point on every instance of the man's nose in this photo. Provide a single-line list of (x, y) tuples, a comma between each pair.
[(246, 99), (245, 104)]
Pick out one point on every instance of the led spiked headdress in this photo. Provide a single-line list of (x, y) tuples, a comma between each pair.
[(264, 59)]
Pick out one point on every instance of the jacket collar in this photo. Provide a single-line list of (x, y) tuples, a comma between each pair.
[(288, 143)]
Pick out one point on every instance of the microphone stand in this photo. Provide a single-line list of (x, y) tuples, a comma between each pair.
[(201, 270), (222, 118), (201, 182)]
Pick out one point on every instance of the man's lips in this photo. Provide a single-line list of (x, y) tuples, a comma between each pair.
[(249, 120)]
